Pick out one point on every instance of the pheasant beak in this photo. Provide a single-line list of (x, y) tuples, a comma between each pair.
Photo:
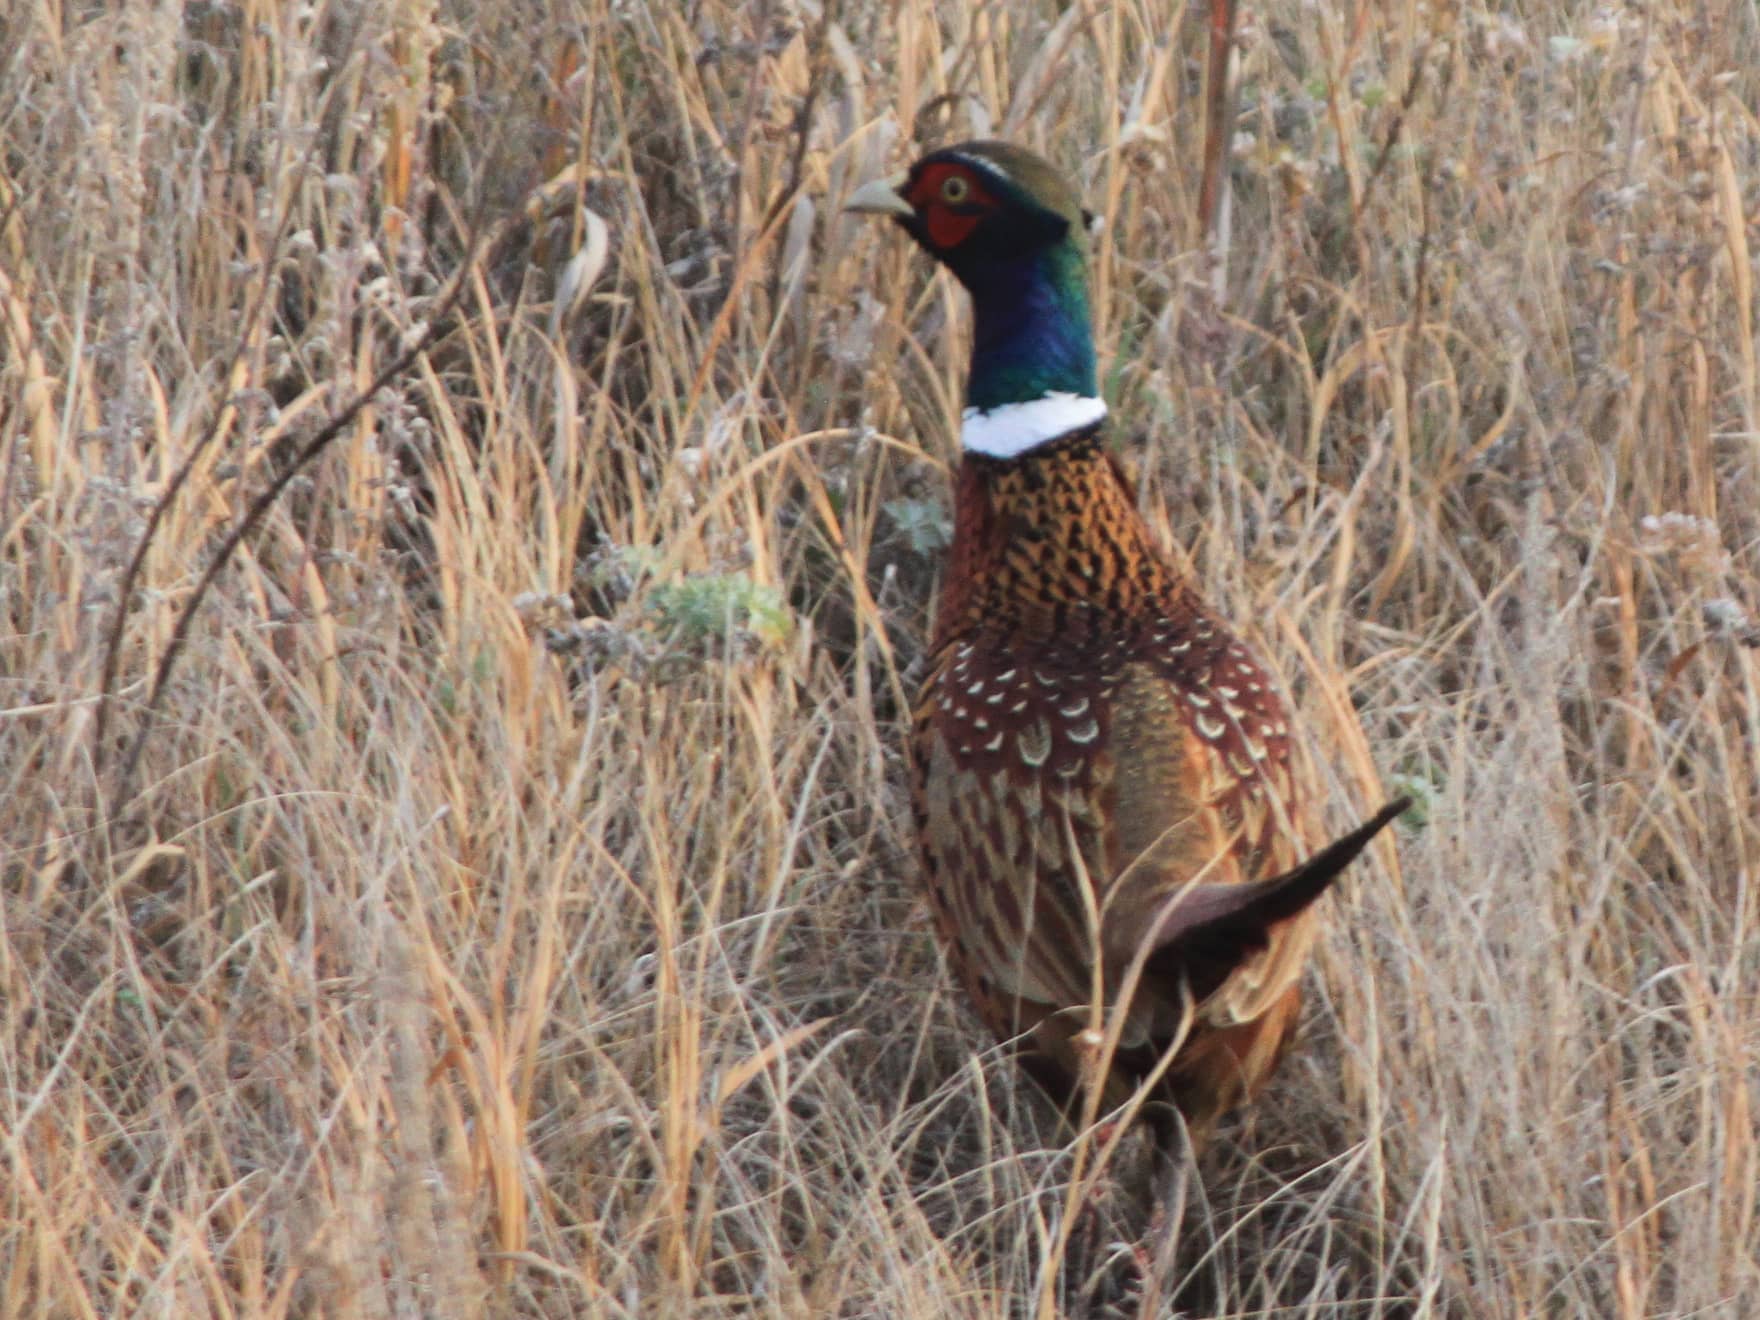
[(880, 197)]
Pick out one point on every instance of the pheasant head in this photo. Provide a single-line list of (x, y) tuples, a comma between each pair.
[(1012, 230)]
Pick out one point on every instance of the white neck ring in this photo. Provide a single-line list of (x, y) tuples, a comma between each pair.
[(1011, 429)]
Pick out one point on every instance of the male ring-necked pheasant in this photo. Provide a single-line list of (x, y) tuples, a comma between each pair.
[(1102, 769)]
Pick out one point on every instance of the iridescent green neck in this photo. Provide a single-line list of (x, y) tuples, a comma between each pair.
[(1033, 332)]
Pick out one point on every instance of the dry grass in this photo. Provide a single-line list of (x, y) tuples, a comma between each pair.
[(511, 911)]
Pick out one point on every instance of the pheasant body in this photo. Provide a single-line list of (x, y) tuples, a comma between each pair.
[(1103, 790), (1089, 737)]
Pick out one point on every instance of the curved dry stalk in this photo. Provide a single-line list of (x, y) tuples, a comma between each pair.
[(259, 507)]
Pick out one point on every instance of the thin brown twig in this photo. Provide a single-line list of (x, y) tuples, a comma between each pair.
[(1218, 115), (260, 506), (1409, 98), (168, 497)]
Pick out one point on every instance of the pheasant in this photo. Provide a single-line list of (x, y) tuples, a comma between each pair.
[(1102, 780)]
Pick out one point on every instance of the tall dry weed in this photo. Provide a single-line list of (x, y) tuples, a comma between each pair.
[(511, 912)]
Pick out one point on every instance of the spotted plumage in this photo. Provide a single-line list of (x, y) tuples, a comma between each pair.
[(1102, 775)]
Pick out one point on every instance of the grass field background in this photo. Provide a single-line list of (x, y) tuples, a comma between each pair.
[(502, 903)]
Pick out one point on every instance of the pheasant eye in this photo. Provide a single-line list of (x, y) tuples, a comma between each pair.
[(955, 189)]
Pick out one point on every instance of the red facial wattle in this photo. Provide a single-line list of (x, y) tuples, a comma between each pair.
[(948, 224)]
